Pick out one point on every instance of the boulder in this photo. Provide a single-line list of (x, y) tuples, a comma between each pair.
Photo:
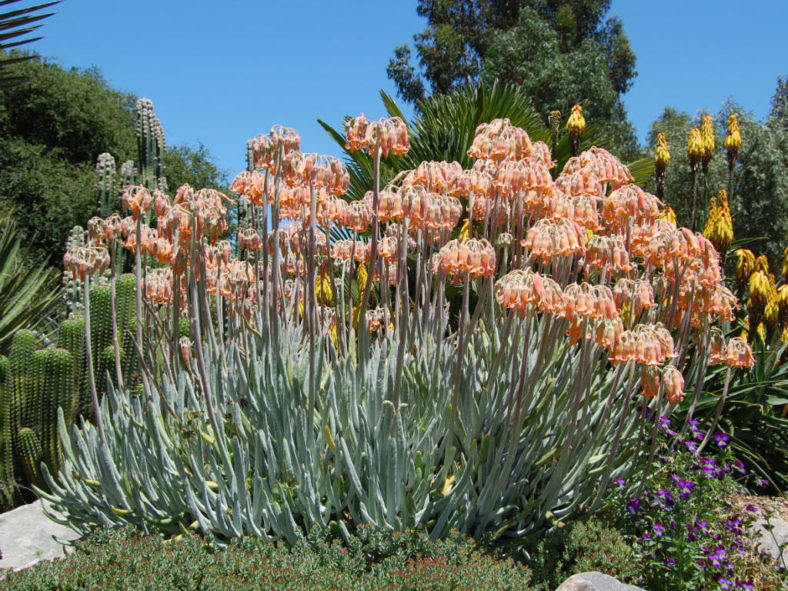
[(27, 536), (594, 581), (771, 538)]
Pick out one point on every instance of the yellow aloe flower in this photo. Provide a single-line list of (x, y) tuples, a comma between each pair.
[(464, 229), (707, 137), (732, 141), (576, 124), (662, 159), (771, 314), (695, 146), (323, 292), (745, 265), (785, 264), (361, 276), (759, 291), (668, 215), (762, 263), (719, 226)]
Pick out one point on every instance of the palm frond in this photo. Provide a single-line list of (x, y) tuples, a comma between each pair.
[(27, 296), (15, 26)]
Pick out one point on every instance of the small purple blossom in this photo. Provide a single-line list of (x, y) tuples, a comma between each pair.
[(621, 483), (721, 439), (659, 529), (691, 445)]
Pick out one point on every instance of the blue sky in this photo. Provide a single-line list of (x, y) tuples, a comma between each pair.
[(223, 75)]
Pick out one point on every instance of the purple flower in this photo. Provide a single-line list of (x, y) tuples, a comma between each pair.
[(721, 439), (761, 483), (659, 529), (725, 583), (752, 508), (634, 506), (717, 556), (693, 424), (685, 486), (746, 585), (691, 445), (621, 483)]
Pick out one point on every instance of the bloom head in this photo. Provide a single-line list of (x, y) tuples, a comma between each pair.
[(732, 141), (707, 137), (662, 158), (695, 146), (576, 124)]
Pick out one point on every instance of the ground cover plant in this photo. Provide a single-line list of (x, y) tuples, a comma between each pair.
[(127, 559)]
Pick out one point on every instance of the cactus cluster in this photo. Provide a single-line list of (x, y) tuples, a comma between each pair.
[(34, 383)]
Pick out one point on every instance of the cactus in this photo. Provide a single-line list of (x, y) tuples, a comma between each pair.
[(71, 336), (105, 188), (152, 145), (55, 389), (34, 384), (30, 456)]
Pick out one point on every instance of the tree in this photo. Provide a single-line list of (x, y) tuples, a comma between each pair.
[(195, 166), (532, 55), (53, 126), (561, 51)]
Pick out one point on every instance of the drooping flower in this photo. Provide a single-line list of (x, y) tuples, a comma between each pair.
[(673, 382), (474, 257)]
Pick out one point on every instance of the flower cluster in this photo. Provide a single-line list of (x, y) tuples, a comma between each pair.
[(687, 535)]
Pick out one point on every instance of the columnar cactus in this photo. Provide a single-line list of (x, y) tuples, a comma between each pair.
[(152, 145), (105, 188), (34, 384)]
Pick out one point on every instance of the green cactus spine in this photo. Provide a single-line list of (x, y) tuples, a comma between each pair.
[(71, 336), (55, 389), (3, 369), (105, 188), (30, 456), (152, 145)]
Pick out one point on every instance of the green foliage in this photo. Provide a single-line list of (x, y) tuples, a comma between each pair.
[(531, 55), (74, 112), (460, 33), (753, 414), (561, 52), (28, 296), (53, 126), (193, 166), (125, 559), (584, 546)]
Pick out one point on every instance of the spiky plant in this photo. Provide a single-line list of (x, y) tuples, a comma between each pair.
[(283, 408), (28, 295)]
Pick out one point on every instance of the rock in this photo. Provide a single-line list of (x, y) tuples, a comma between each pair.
[(771, 542), (26, 537), (595, 581)]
